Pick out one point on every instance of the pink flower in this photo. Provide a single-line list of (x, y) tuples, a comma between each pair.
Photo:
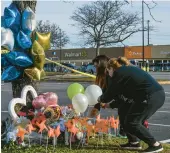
[(39, 102), (51, 99)]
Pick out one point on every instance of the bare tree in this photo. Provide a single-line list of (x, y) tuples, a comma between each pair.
[(58, 37), (104, 23)]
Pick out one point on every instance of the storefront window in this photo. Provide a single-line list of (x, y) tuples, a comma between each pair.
[(159, 65)]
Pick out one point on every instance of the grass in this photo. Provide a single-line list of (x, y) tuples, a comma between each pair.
[(88, 79), (76, 79), (50, 76), (109, 146), (53, 73)]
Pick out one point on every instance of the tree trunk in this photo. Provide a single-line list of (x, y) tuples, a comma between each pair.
[(17, 85), (98, 49), (21, 5)]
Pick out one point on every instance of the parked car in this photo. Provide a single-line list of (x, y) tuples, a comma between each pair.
[(83, 68), (68, 65), (91, 68)]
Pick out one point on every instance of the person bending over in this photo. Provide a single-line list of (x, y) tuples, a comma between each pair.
[(147, 94)]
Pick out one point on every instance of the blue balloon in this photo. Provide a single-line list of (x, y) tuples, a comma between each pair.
[(12, 18), (19, 59), (10, 74), (28, 20), (3, 22), (17, 46), (23, 40), (4, 62)]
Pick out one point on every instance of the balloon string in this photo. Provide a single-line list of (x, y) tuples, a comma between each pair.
[(29, 139), (46, 145), (70, 139), (86, 74)]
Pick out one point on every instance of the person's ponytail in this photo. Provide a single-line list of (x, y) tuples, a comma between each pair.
[(118, 62), (123, 61)]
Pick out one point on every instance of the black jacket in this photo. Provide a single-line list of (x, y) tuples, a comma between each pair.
[(132, 82), (116, 102)]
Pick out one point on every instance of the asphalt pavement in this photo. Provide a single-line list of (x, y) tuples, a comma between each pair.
[(159, 122), (160, 75)]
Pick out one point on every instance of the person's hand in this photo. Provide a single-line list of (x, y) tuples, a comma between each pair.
[(105, 105), (94, 112)]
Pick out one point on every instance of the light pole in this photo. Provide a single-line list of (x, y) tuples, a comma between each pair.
[(148, 32), (143, 48), (60, 45)]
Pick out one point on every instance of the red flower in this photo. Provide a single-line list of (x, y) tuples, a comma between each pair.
[(146, 124), (22, 114)]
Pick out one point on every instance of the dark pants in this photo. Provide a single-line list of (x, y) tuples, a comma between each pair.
[(123, 108), (140, 111), (122, 112)]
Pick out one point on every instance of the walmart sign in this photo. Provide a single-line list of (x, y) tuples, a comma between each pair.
[(72, 54)]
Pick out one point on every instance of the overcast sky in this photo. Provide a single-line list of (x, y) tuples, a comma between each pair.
[(60, 12)]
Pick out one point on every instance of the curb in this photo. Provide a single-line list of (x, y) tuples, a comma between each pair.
[(164, 82)]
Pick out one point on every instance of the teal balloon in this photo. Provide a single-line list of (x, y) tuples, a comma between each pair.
[(28, 20), (74, 89), (19, 59), (12, 18), (24, 40), (10, 74), (4, 62), (3, 22)]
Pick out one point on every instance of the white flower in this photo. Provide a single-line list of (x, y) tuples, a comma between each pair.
[(11, 136), (22, 121)]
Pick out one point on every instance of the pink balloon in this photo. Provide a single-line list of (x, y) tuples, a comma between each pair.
[(39, 102), (50, 98)]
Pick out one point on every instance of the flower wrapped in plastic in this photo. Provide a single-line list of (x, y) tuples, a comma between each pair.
[(22, 122), (52, 113), (60, 123), (11, 136)]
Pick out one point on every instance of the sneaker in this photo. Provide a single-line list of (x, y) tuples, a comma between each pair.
[(131, 146), (122, 136), (153, 149)]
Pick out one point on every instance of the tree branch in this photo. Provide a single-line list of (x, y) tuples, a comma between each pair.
[(105, 22), (150, 10), (56, 36)]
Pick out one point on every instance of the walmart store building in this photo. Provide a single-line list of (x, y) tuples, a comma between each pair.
[(157, 58)]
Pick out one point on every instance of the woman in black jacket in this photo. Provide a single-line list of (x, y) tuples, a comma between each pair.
[(103, 80), (148, 96)]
